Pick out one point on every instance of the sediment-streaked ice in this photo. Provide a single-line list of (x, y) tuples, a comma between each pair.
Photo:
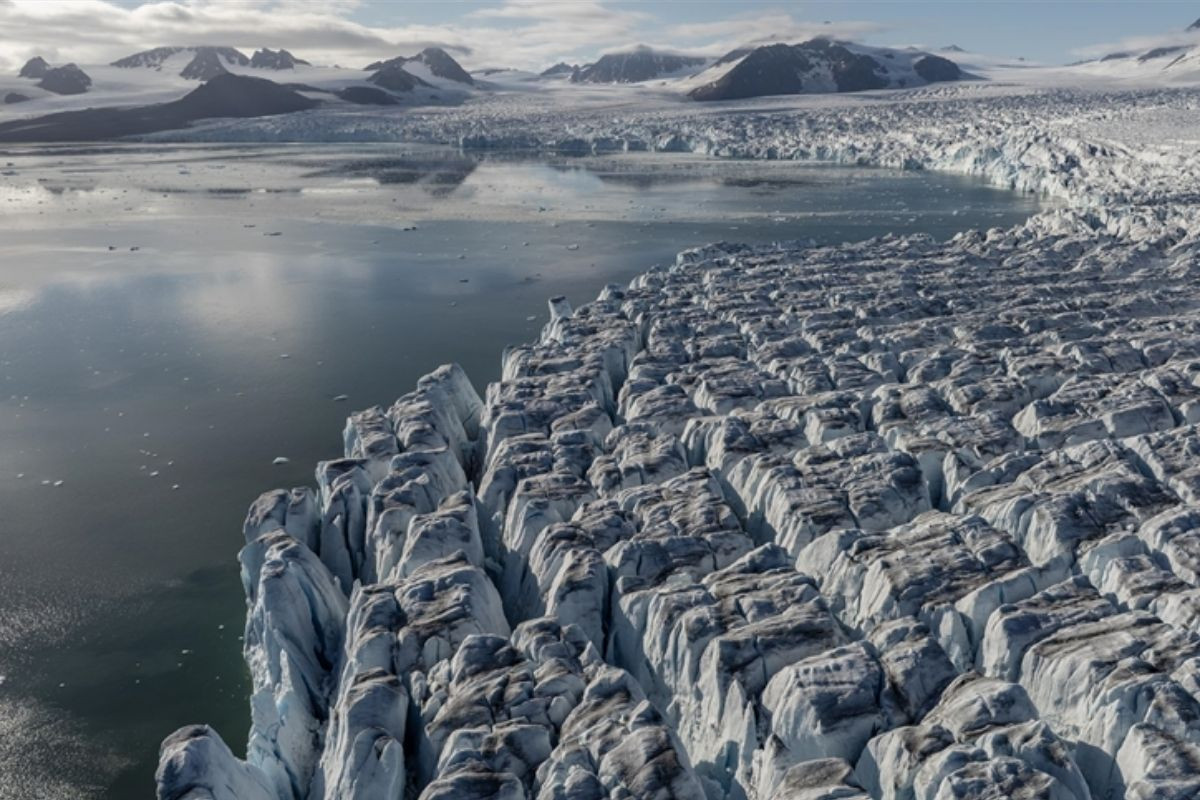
[(891, 519)]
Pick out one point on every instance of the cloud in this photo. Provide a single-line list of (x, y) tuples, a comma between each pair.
[(721, 36), (95, 31), (520, 33), (566, 10), (1140, 44)]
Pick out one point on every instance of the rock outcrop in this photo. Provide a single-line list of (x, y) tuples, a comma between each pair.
[(275, 59), (431, 62), (68, 79), (226, 95), (634, 66), (820, 66), (35, 68)]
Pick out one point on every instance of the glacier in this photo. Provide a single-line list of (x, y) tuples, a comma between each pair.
[(898, 518)]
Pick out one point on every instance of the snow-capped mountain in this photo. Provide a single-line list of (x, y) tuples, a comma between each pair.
[(395, 78), (194, 63), (226, 95), (432, 62), (1175, 63), (1176, 60), (640, 64), (205, 65), (276, 59), (816, 67), (560, 70), (65, 80)]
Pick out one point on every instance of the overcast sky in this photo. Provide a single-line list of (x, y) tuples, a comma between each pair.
[(536, 33)]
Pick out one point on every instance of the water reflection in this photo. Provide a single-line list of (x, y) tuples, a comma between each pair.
[(177, 319)]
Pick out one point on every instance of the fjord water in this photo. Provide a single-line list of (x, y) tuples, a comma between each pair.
[(173, 319)]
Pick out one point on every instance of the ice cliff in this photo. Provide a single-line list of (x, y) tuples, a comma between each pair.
[(888, 519)]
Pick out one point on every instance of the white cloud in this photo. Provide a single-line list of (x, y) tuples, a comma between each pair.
[(721, 36), (1140, 44), (95, 31), (521, 33)]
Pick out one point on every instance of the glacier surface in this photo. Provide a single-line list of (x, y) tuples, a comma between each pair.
[(888, 519)]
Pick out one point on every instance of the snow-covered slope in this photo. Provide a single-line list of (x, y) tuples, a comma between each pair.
[(634, 66), (178, 59), (1174, 64), (818, 66), (169, 73), (431, 64), (1175, 60), (226, 95)]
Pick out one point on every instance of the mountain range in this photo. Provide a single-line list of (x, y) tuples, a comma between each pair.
[(637, 65), (132, 84), (226, 95), (435, 60), (819, 66)]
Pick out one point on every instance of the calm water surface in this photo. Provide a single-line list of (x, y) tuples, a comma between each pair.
[(172, 319)]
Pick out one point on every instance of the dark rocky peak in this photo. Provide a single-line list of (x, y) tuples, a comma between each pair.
[(68, 79), (561, 68), (205, 66), (35, 67), (935, 68), (395, 78), (201, 67), (275, 59), (230, 95), (809, 67), (640, 64), (733, 55), (441, 64)]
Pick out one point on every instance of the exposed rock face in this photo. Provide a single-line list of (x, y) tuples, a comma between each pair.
[(68, 79), (437, 61), (441, 64), (275, 59), (206, 65), (226, 95), (936, 68), (818, 66), (560, 70), (15, 97), (1163, 52), (394, 78), (640, 64), (35, 68), (366, 96), (891, 519), (229, 95), (154, 59)]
